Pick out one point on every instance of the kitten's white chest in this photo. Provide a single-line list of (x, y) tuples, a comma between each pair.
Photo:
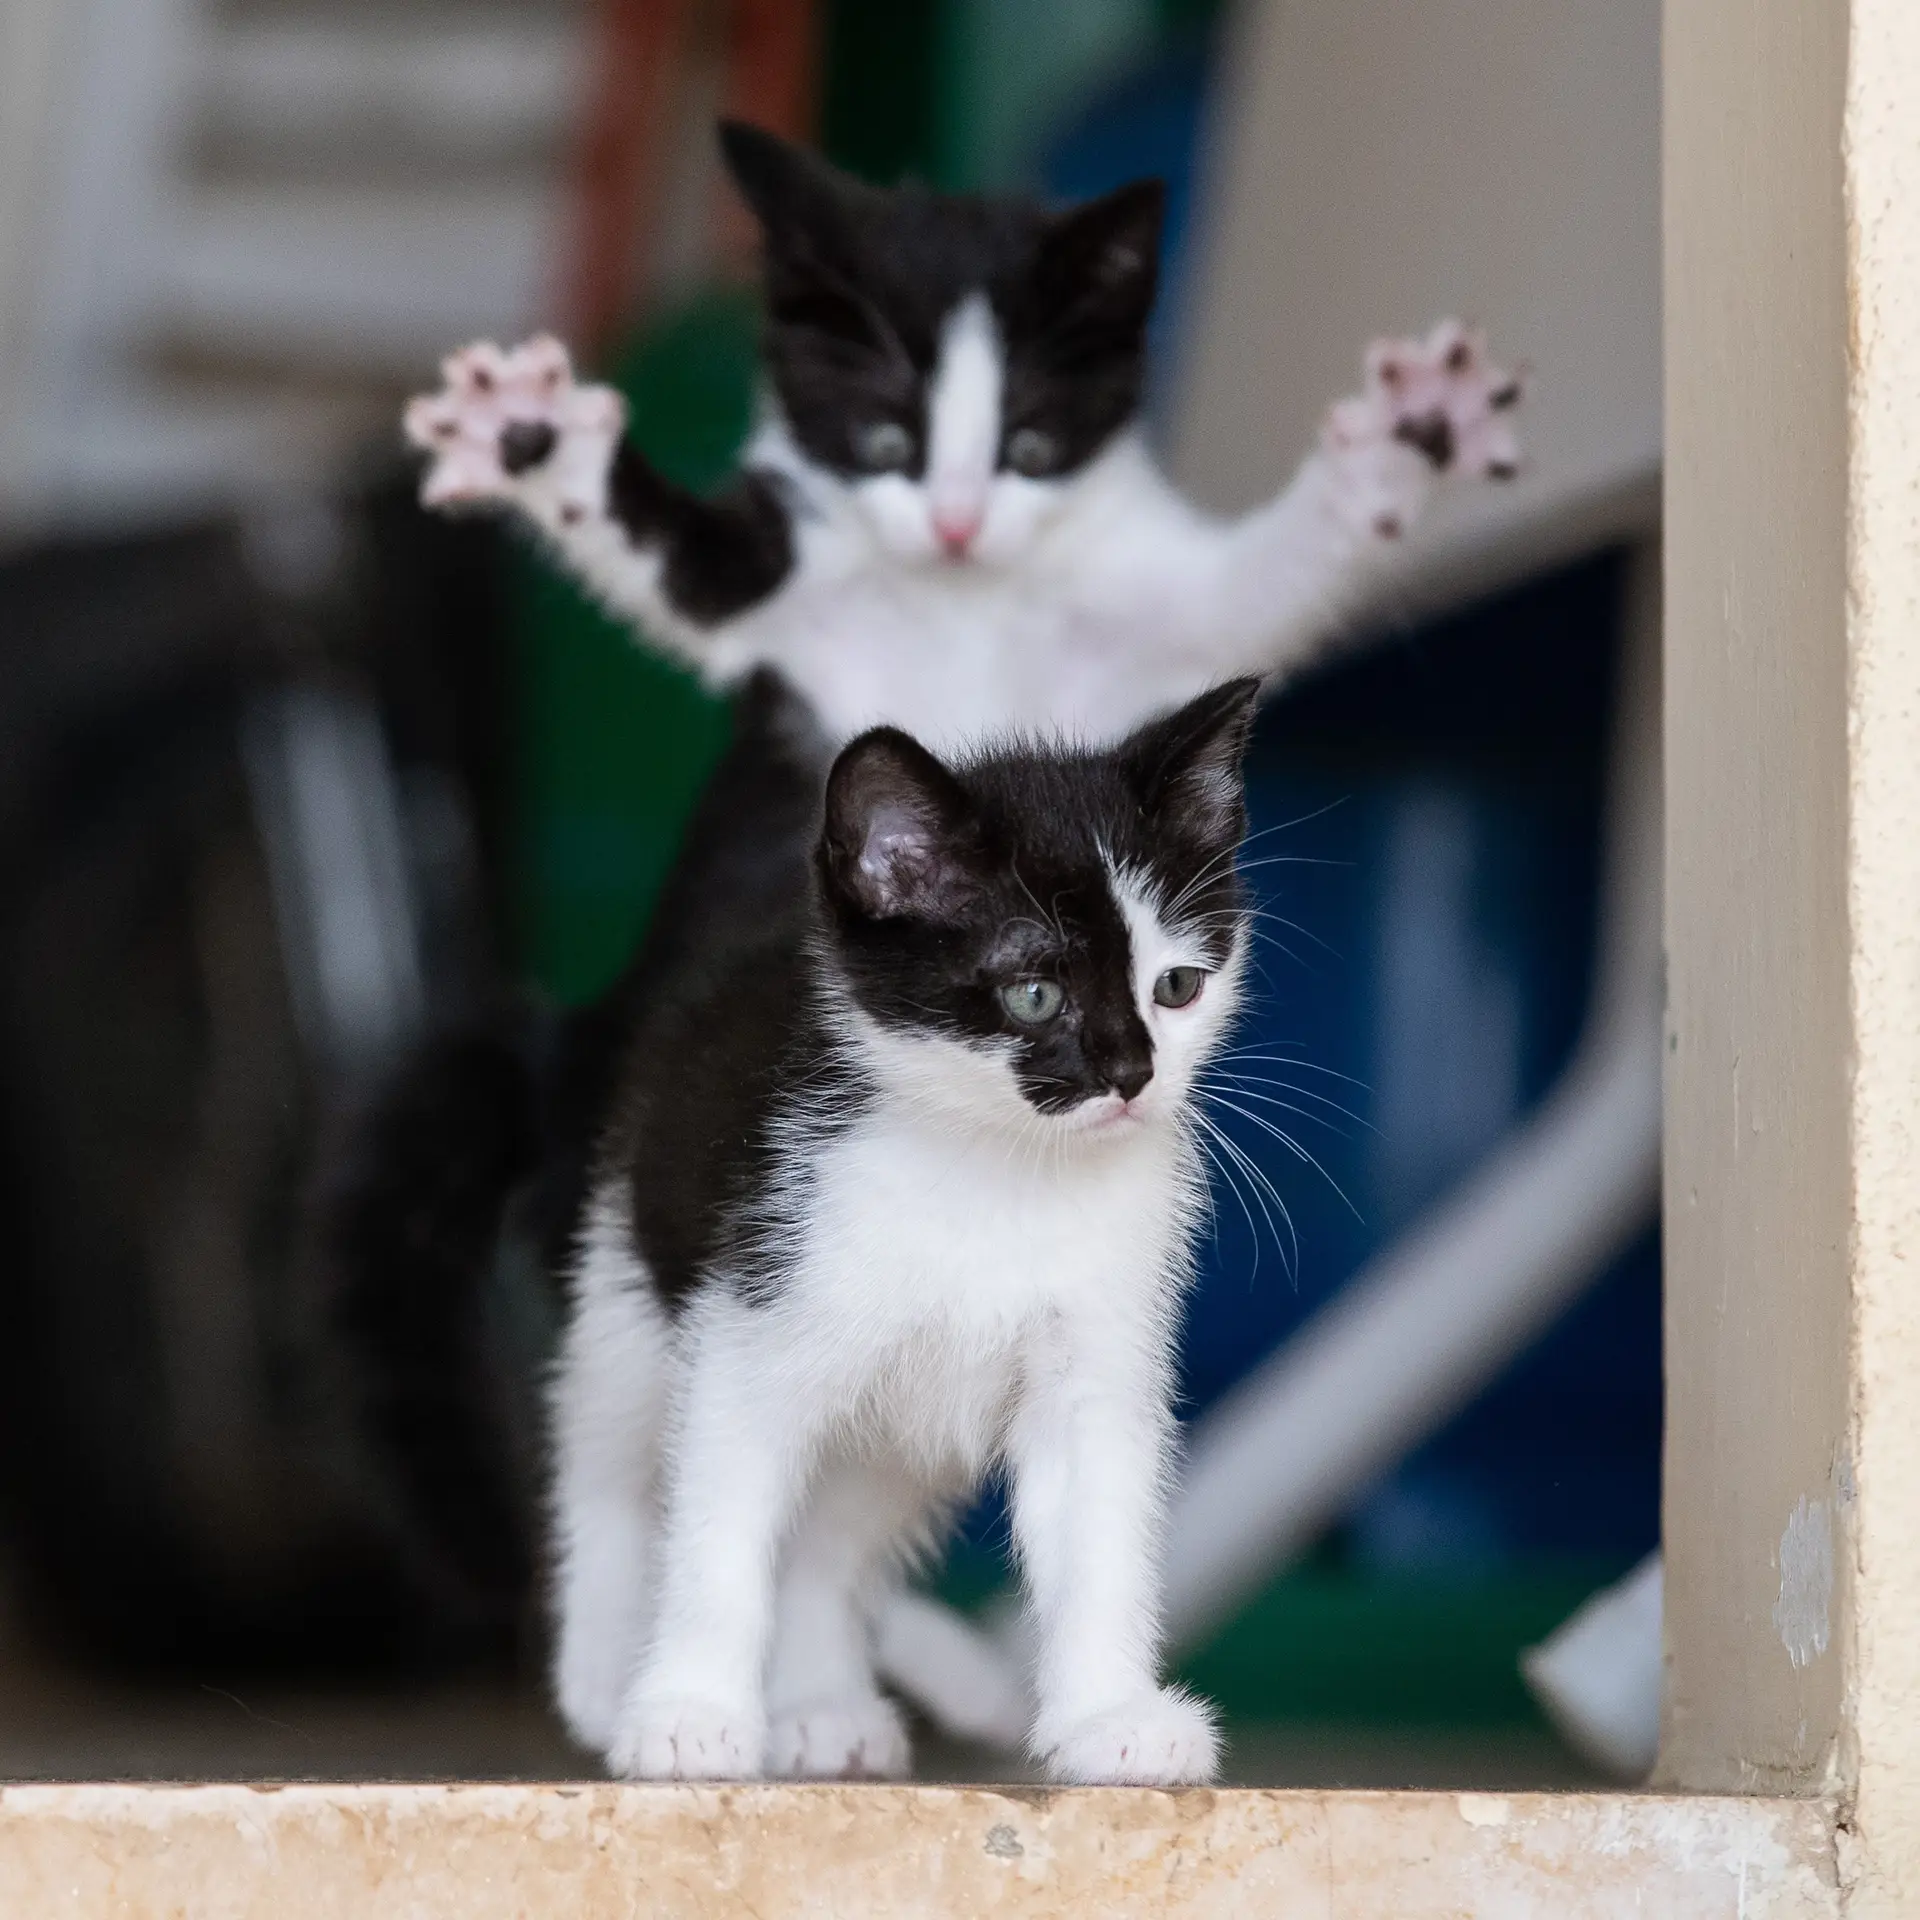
[(913, 1234), (955, 654)]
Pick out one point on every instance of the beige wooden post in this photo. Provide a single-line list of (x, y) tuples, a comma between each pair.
[(1792, 140)]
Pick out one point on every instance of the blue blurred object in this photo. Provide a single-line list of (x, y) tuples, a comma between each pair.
[(1429, 822), (1152, 122)]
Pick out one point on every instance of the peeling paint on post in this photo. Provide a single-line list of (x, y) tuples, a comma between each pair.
[(1802, 1616)]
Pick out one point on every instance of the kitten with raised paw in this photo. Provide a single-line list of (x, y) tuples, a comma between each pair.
[(947, 518), (896, 1194)]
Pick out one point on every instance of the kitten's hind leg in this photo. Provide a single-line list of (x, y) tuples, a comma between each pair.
[(735, 1469), (609, 1401), (829, 1719)]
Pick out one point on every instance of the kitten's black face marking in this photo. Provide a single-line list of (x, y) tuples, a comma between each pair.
[(979, 904), (860, 280)]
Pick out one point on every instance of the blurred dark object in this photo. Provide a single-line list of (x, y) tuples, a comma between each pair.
[(251, 830)]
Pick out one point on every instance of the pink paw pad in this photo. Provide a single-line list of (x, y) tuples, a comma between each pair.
[(1442, 397), (504, 415)]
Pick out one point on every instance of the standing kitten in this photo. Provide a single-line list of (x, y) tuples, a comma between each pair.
[(948, 520), (898, 1192)]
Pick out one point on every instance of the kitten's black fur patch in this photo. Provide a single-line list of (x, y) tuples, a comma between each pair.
[(737, 1072), (860, 279), (723, 554)]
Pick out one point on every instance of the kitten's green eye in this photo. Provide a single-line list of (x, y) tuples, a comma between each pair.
[(1032, 452), (883, 446), (1032, 1003), (1179, 986)]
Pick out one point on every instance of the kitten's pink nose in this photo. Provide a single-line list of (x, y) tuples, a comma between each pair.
[(957, 529)]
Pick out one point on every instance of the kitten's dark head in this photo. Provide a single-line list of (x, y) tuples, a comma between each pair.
[(951, 360), (1042, 928)]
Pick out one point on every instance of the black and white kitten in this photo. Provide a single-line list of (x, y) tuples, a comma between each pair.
[(899, 1191), (947, 519)]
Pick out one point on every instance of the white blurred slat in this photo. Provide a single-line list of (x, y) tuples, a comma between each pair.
[(463, 89), (377, 280), (1379, 164)]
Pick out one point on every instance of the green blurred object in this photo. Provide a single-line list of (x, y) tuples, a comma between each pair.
[(616, 744), (1388, 1649), (1328, 1642)]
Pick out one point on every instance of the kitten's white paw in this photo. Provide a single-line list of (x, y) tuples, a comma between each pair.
[(688, 1740), (590, 1679), (1163, 1739), (513, 425), (852, 1739), (1429, 406)]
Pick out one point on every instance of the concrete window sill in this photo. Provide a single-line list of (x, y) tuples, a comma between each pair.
[(522, 1852)]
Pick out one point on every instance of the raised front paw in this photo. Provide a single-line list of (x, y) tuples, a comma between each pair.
[(1439, 399), (854, 1739), (513, 425), (688, 1740), (1163, 1739)]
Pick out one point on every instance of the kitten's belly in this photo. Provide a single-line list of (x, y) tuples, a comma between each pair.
[(951, 666)]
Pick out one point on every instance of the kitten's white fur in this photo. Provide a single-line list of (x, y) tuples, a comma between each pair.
[(968, 1283)]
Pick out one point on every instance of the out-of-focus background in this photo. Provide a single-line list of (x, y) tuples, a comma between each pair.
[(292, 774)]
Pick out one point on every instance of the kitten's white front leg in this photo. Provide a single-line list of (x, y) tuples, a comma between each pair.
[(1088, 1452), (1271, 590), (829, 1718), (736, 1464)]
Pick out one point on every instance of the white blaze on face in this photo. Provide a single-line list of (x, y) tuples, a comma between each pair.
[(963, 424)]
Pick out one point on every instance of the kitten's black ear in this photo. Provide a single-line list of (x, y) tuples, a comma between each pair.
[(790, 190), (1186, 766), (900, 839), (1106, 254)]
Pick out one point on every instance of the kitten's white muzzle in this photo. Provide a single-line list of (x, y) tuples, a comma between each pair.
[(1109, 1113)]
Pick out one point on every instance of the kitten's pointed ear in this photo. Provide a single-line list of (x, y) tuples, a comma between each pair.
[(790, 190), (900, 839), (1186, 766), (1107, 253)]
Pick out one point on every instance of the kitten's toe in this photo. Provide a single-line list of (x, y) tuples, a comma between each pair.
[(853, 1739), (1163, 1739), (688, 1740)]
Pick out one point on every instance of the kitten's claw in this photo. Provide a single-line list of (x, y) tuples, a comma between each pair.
[(514, 425), (840, 1740), (1164, 1739), (688, 1740), (1440, 399)]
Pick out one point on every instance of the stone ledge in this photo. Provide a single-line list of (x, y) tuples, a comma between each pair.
[(524, 1852)]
